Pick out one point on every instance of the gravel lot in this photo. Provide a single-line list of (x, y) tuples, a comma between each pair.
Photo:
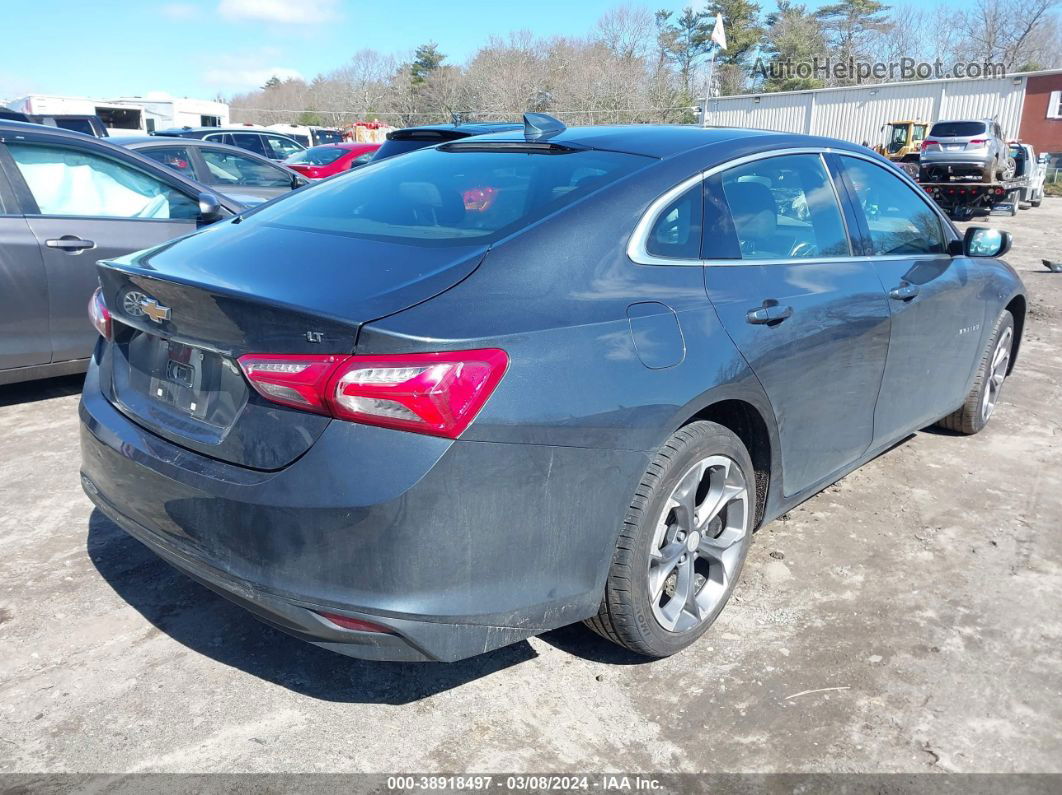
[(907, 619)]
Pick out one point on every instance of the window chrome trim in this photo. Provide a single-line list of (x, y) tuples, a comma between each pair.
[(636, 246)]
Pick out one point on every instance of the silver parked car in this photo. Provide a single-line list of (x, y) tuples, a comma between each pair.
[(966, 149), (239, 174)]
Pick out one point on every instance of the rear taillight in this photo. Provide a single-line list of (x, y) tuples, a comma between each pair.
[(297, 381), (434, 393), (977, 142), (100, 315), (927, 143)]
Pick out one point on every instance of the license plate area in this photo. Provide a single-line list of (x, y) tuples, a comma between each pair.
[(184, 377), (190, 390)]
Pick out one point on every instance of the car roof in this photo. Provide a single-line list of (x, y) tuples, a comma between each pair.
[(653, 140)]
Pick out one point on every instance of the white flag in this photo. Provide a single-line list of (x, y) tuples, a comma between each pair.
[(718, 34)]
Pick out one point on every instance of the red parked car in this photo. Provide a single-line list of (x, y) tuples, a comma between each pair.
[(326, 160)]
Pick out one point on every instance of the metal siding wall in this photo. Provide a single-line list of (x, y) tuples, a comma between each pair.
[(857, 114), (985, 99)]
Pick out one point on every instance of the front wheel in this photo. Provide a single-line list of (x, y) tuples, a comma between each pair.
[(981, 402), (683, 543)]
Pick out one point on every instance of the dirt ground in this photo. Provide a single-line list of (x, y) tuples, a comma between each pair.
[(907, 619)]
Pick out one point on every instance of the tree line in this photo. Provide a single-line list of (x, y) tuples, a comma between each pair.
[(639, 66)]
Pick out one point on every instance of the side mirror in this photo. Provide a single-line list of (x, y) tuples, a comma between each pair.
[(298, 181), (980, 241), (209, 208)]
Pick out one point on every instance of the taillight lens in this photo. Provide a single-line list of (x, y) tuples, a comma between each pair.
[(977, 142), (100, 315), (434, 393), (297, 381), (927, 143)]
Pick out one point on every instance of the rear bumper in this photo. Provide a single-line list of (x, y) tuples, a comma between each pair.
[(955, 159), (456, 547)]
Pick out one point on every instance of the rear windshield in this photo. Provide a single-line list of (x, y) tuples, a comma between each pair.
[(318, 156), (437, 196), (400, 146), (957, 129), (326, 137)]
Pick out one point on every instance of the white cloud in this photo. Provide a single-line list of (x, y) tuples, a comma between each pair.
[(179, 11), (304, 12), (237, 78)]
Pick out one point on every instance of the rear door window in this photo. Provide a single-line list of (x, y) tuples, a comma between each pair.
[(175, 157), (441, 196), (784, 208), (280, 148), (71, 182), (900, 221), (252, 142), (229, 168)]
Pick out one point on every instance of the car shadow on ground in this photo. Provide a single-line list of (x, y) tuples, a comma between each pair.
[(32, 391), (208, 624)]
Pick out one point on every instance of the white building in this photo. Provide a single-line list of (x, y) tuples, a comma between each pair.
[(856, 114)]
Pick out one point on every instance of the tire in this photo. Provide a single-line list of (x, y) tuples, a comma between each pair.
[(652, 552), (980, 403)]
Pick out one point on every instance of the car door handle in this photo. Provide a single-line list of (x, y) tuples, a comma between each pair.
[(768, 315), (905, 292), (70, 243)]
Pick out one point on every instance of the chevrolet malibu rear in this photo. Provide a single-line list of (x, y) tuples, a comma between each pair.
[(387, 490)]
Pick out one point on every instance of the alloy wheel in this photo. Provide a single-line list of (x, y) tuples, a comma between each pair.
[(696, 549), (997, 372)]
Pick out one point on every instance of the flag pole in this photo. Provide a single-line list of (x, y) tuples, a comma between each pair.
[(708, 86)]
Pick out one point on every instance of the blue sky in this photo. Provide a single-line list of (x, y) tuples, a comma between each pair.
[(201, 47)]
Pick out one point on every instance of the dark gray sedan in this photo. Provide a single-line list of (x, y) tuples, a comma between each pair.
[(66, 200), (514, 381), (249, 178)]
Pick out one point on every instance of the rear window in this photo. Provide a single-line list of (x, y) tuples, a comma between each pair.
[(399, 146), (327, 137), (318, 156), (438, 196), (957, 129)]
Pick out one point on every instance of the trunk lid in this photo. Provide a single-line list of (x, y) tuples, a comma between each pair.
[(186, 311)]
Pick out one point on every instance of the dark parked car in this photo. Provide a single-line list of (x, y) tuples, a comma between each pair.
[(65, 201), (410, 139), (258, 140), (244, 176), (505, 384)]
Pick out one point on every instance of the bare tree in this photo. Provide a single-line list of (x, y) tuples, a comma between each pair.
[(627, 31)]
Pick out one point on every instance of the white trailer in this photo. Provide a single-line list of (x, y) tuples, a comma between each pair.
[(162, 111), (119, 117)]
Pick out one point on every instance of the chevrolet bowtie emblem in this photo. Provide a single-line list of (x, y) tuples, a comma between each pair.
[(154, 310)]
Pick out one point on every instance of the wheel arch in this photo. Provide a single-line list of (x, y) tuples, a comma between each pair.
[(1017, 306), (749, 424)]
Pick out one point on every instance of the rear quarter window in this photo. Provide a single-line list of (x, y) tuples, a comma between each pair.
[(437, 196)]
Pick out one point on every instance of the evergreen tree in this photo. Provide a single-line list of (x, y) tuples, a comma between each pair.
[(849, 24), (794, 36), (741, 21), (426, 59)]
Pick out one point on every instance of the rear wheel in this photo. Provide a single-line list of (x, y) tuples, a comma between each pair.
[(981, 402), (682, 545)]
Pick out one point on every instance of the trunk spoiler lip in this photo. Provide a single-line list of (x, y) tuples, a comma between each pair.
[(355, 326)]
